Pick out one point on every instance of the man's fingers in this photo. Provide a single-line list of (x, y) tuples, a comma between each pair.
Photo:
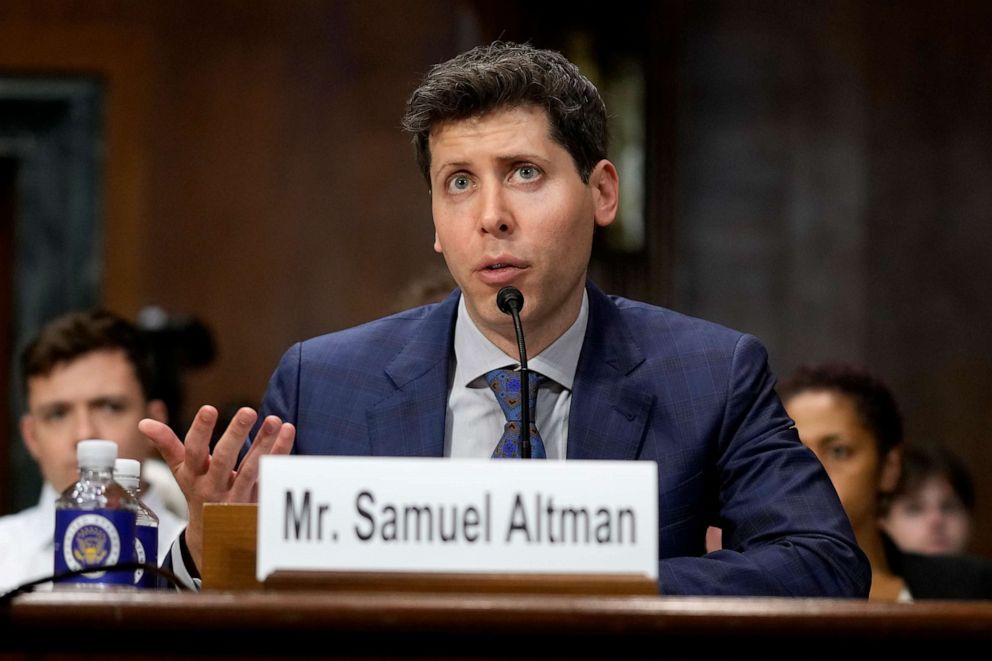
[(198, 440), (243, 489), (265, 438), (229, 446), (284, 441), (165, 441)]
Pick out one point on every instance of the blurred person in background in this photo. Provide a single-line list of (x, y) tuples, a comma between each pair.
[(85, 375), (432, 286), (930, 511), (850, 420)]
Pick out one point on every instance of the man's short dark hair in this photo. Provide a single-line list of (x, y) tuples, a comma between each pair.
[(507, 75), (76, 334), (872, 399)]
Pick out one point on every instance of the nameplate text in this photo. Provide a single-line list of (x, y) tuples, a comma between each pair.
[(451, 515)]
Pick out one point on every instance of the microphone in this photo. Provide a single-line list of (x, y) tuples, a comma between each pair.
[(510, 301)]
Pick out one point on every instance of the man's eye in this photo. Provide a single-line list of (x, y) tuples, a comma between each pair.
[(528, 172), (112, 407), (53, 416), (459, 183)]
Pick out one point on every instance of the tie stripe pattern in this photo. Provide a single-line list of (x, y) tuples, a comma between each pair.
[(505, 384)]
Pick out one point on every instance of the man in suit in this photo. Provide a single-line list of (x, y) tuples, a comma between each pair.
[(512, 143)]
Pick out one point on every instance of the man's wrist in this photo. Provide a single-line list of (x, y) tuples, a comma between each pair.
[(191, 567)]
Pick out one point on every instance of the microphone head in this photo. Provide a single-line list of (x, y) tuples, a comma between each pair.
[(509, 299)]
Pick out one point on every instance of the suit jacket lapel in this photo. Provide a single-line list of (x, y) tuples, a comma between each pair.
[(410, 422), (610, 406)]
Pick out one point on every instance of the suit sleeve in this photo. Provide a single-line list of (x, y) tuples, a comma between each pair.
[(785, 532), (282, 394)]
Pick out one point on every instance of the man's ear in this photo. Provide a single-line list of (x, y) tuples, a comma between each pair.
[(27, 433), (157, 410), (437, 244), (605, 184), (891, 470)]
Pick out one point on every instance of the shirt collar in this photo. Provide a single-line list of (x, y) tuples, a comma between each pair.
[(475, 354), (46, 503), (45, 512)]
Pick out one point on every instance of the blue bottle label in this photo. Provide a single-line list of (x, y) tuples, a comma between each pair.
[(94, 538), (145, 550)]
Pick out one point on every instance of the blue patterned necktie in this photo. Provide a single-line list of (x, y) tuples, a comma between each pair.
[(505, 384)]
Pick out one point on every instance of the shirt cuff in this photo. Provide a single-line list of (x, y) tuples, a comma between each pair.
[(183, 565)]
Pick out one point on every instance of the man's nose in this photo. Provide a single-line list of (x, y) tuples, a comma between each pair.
[(86, 427), (495, 215)]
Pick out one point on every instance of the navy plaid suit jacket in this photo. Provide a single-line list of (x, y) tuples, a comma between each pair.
[(651, 384)]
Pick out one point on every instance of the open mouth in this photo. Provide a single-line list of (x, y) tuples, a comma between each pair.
[(500, 273)]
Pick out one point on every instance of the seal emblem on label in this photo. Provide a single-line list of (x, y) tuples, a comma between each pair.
[(91, 540)]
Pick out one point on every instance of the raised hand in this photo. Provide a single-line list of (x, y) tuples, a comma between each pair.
[(212, 478)]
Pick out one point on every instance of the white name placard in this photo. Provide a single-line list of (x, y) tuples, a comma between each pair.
[(455, 515)]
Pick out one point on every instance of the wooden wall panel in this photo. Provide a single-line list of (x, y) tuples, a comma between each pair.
[(286, 199), (834, 166), (256, 176)]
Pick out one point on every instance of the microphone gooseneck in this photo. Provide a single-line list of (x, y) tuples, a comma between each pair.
[(510, 301)]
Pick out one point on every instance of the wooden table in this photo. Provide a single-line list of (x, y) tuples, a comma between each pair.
[(348, 624)]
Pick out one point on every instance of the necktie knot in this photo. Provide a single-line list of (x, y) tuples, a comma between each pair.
[(505, 384)]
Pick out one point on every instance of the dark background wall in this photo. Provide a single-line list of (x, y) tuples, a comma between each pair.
[(818, 173), (834, 196)]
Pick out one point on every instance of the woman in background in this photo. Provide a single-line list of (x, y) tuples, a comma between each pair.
[(850, 420)]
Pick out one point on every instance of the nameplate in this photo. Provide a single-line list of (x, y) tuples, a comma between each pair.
[(341, 514)]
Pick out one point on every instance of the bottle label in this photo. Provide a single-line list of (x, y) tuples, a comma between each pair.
[(145, 550), (94, 538)]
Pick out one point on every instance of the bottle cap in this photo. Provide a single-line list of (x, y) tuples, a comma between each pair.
[(95, 453), (127, 472)]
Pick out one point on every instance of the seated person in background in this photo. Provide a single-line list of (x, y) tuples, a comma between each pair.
[(85, 375), (432, 286), (930, 511), (851, 421), (511, 141)]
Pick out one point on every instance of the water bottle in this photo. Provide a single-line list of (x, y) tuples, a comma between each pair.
[(127, 473), (95, 521)]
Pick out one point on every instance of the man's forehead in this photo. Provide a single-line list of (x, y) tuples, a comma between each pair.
[(459, 143), (105, 372), (521, 113)]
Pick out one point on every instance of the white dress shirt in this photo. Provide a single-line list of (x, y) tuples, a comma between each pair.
[(475, 421)]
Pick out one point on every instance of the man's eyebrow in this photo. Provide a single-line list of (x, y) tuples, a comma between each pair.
[(47, 407), (451, 164), (107, 399), (523, 156), (503, 158)]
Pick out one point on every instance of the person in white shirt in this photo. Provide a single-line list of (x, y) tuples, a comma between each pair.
[(85, 375)]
